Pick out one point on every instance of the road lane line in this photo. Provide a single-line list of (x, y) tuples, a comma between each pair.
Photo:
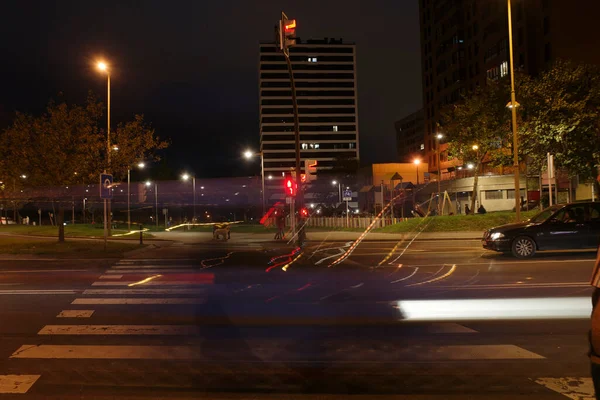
[(436, 279), (36, 291), (152, 271), (573, 388), (405, 354), (119, 330), (109, 352), (29, 271), (109, 301), (148, 283), (17, 383), (75, 313), (142, 291), (168, 266), (111, 276)]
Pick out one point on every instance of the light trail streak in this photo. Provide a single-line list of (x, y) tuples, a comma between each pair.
[(148, 279), (221, 260), (437, 279)]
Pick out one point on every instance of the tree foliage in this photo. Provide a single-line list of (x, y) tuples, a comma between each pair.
[(560, 116), (65, 146)]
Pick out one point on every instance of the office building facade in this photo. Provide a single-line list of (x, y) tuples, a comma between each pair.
[(325, 79), (409, 137)]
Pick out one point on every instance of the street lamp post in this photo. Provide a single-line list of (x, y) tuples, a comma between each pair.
[(513, 108), (439, 137), (140, 165), (249, 154), (185, 177), (339, 189), (148, 183), (102, 66)]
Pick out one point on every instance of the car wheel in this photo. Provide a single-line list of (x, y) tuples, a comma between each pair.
[(523, 247)]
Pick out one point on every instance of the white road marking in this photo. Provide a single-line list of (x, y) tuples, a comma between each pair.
[(448, 327), (149, 283), (497, 263), (34, 291), (573, 388), (17, 383), (111, 276), (150, 271), (505, 308), (167, 266), (75, 314), (30, 271), (408, 353), (139, 301), (109, 352), (142, 291), (119, 330)]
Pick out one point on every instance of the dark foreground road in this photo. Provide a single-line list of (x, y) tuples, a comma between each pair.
[(429, 320)]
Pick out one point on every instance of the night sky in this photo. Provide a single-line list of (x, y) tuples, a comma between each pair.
[(191, 67)]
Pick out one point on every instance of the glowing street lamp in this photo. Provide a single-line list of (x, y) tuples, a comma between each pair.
[(186, 177), (417, 161), (248, 154), (148, 184)]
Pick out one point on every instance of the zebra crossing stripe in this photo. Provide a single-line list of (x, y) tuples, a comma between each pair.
[(111, 276), (75, 314), (119, 330), (124, 292), (150, 283), (108, 352), (133, 300), (168, 266), (573, 388), (17, 383)]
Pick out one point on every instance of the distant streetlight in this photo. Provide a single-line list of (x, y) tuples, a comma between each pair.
[(439, 137), (139, 165), (248, 154), (470, 166), (148, 184), (339, 189), (417, 161), (186, 177)]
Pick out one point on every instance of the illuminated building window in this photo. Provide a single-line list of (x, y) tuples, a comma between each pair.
[(335, 128)]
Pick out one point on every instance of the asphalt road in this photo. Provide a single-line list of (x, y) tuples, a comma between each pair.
[(419, 320)]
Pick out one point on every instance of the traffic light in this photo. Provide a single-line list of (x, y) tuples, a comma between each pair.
[(287, 33), (310, 170), (304, 212), (290, 186)]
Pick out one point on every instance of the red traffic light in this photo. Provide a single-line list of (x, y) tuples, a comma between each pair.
[(290, 27), (290, 187), (304, 212)]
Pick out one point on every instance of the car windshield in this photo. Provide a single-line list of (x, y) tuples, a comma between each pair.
[(545, 214)]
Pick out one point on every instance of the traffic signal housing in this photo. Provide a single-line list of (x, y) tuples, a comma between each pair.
[(287, 33), (303, 212), (290, 186), (310, 170)]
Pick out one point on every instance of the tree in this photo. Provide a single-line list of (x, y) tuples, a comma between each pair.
[(136, 142), (64, 146), (480, 120), (560, 112)]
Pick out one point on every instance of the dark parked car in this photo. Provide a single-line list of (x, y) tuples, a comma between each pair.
[(562, 226)]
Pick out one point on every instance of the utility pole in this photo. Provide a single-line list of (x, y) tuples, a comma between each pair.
[(513, 107)]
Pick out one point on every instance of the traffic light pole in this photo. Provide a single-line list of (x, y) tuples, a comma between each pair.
[(299, 191)]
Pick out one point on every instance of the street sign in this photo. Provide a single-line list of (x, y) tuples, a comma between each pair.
[(106, 182), (347, 195)]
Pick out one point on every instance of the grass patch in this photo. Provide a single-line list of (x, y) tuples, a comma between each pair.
[(77, 230), (67, 249), (455, 223)]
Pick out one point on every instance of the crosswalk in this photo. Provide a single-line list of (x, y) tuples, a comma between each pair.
[(98, 312)]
